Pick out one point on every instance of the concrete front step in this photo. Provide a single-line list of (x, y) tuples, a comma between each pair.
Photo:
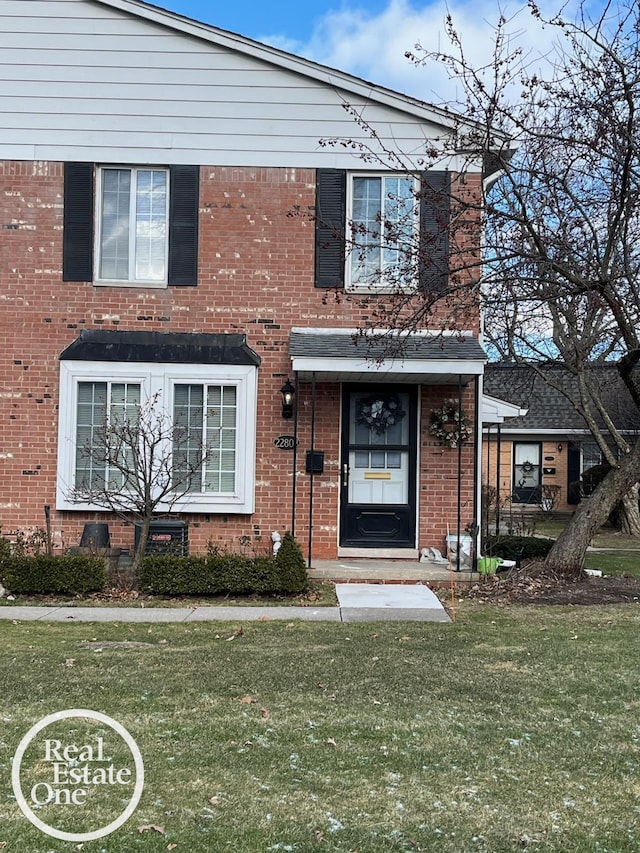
[(387, 571)]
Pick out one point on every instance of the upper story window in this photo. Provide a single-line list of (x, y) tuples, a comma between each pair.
[(383, 214), (133, 225), (383, 231)]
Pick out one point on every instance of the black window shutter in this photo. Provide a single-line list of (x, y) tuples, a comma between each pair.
[(435, 196), (77, 239), (184, 199), (331, 194)]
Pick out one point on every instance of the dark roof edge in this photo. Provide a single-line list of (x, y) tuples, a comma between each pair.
[(161, 347)]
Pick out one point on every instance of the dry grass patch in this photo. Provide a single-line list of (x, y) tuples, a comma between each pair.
[(513, 728)]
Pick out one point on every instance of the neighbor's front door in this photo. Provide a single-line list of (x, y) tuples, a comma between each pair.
[(378, 474), (527, 471)]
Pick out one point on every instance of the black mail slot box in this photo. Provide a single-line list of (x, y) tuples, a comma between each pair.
[(549, 471)]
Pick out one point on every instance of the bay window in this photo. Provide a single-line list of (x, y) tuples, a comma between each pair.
[(210, 448)]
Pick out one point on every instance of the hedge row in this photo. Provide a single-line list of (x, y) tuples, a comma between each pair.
[(226, 573), (218, 572), (40, 573)]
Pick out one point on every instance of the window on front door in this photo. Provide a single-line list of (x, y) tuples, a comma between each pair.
[(527, 472)]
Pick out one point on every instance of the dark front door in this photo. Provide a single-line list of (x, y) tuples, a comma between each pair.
[(527, 472), (378, 474)]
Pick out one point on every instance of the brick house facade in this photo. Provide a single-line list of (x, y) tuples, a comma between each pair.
[(250, 294)]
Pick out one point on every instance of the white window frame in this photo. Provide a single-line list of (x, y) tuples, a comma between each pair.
[(131, 281), (382, 285), (160, 379)]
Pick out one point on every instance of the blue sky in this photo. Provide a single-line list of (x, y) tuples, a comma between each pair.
[(369, 38), (292, 19)]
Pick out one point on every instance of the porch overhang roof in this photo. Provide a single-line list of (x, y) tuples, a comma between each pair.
[(495, 411), (347, 355)]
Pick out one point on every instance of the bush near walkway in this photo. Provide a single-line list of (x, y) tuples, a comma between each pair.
[(518, 547), (43, 573), (223, 572)]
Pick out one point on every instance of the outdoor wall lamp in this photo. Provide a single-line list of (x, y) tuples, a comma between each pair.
[(288, 393), (560, 448)]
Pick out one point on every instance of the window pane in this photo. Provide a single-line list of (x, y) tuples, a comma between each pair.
[(114, 216), (188, 407), (378, 459), (362, 459), (151, 224), (227, 482), (91, 416), (383, 216), (217, 423), (393, 459), (104, 434), (221, 433), (399, 218)]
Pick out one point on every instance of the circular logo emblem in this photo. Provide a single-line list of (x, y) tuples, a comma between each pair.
[(76, 773)]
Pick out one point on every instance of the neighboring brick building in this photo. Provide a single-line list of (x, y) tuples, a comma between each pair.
[(171, 223), (536, 458)]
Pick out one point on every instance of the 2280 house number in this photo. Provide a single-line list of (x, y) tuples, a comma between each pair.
[(285, 442)]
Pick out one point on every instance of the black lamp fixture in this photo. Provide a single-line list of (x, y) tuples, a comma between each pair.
[(288, 393), (560, 446)]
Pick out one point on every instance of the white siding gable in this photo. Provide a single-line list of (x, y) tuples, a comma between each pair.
[(121, 81)]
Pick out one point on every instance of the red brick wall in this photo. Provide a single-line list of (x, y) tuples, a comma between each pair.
[(256, 277)]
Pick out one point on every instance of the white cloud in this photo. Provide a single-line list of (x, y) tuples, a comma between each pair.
[(373, 46)]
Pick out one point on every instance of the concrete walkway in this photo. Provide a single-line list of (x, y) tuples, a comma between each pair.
[(370, 602), (357, 603)]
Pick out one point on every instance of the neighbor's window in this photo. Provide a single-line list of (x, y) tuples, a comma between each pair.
[(132, 220), (384, 219), (206, 416)]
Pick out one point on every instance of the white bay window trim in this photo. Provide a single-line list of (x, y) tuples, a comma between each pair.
[(160, 380)]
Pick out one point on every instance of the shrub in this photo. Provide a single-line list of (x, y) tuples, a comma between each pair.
[(225, 572), (291, 565), (42, 573), (518, 547)]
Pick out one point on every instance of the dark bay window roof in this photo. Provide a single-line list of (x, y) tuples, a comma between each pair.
[(161, 347)]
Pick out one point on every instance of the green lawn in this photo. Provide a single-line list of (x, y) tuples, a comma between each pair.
[(512, 728), (615, 562), (616, 553)]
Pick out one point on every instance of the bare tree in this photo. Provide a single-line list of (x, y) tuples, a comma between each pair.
[(139, 462), (558, 273)]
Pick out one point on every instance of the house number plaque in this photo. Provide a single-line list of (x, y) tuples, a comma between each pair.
[(285, 442)]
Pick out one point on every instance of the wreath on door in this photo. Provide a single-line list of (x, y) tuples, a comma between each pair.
[(527, 467), (450, 424), (379, 413)]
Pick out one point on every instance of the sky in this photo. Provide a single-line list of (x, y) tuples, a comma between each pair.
[(369, 38)]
